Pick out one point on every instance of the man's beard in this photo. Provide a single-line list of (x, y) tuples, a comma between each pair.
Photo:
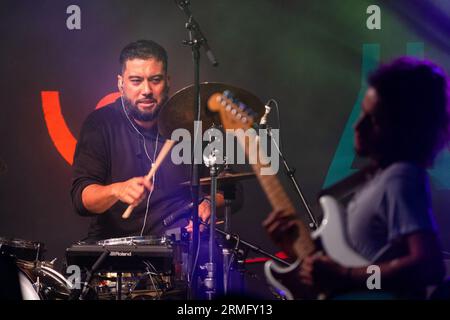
[(138, 115)]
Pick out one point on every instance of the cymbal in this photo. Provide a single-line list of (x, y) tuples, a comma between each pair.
[(224, 178), (179, 110)]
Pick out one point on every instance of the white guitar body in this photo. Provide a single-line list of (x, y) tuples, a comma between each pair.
[(332, 234)]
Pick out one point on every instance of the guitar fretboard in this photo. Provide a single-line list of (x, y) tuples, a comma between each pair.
[(275, 193)]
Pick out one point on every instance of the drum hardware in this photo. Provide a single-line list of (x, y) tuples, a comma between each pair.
[(39, 281), (119, 286), (90, 273), (210, 266), (229, 194), (37, 284), (22, 249), (146, 285), (224, 178), (235, 242)]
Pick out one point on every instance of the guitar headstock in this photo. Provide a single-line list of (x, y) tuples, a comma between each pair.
[(234, 114)]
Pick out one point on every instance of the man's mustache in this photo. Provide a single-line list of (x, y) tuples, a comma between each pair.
[(145, 100)]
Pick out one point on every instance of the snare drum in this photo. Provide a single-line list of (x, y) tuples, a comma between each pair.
[(39, 281)]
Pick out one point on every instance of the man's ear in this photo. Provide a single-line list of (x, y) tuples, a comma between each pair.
[(120, 83)]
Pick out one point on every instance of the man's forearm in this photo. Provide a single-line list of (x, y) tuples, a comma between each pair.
[(97, 198)]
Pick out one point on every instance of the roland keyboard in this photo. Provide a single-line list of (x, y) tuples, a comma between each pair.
[(123, 254)]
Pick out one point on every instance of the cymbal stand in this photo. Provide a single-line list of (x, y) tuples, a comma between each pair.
[(229, 194), (211, 278)]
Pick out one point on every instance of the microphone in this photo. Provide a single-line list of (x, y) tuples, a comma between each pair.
[(177, 215), (263, 121), (182, 3)]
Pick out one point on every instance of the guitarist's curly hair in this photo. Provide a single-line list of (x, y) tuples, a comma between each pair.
[(414, 97)]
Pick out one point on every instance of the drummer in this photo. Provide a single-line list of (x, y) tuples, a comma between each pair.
[(116, 148)]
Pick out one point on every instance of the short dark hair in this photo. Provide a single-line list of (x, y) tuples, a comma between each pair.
[(413, 96), (143, 49)]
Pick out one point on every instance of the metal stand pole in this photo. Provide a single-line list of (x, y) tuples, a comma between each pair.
[(119, 286), (226, 252), (196, 40), (210, 280)]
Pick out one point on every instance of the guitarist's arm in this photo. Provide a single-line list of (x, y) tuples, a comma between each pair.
[(422, 265)]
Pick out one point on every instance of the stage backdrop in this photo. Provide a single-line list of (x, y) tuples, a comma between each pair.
[(60, 59)]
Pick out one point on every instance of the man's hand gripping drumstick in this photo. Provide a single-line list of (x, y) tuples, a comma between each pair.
[(161, 156)]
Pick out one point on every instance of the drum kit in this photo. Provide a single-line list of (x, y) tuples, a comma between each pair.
[(137, 267)]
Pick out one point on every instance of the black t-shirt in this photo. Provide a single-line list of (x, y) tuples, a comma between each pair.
[(110, 150)]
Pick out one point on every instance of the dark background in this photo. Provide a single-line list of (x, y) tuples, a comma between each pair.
[(305, 54)]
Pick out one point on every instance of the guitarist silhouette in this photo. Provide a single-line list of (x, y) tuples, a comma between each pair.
[(388, 218)]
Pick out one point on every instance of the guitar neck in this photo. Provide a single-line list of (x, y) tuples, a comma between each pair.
[(273, 189), (275, 193)]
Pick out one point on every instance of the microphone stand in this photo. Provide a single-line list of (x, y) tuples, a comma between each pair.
[(91, 272), (196, 40), (291, 175)]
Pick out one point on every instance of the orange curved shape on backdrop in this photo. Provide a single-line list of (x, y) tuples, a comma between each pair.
[(60, 134), (110, 98)]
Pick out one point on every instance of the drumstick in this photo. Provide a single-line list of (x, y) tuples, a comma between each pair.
[(161, 156)]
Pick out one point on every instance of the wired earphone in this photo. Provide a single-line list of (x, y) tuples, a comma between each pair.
[(148, 156)]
